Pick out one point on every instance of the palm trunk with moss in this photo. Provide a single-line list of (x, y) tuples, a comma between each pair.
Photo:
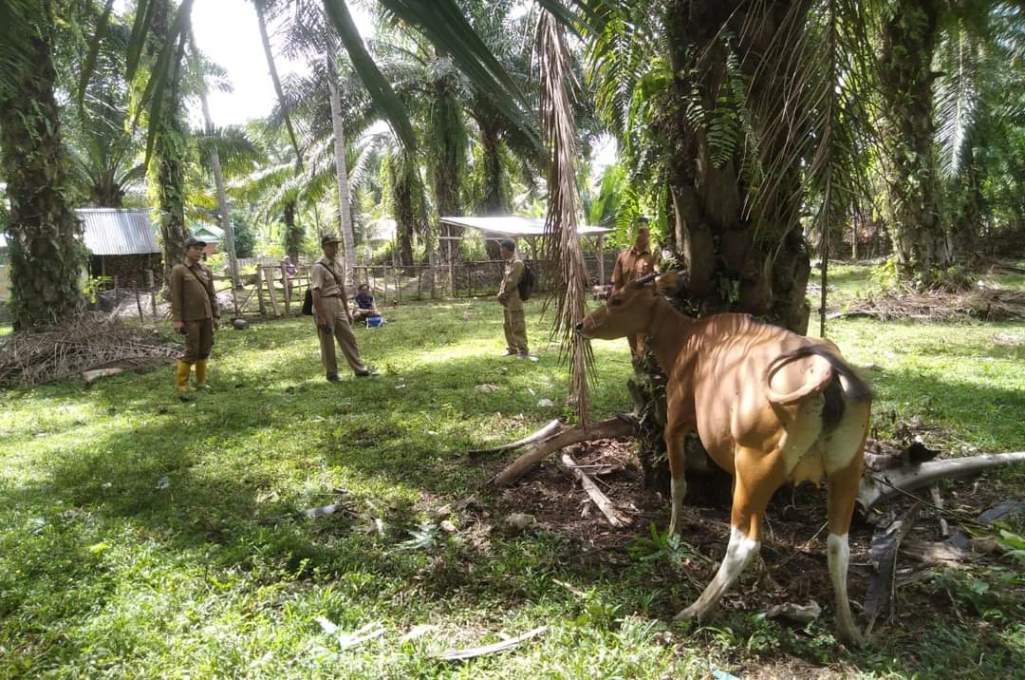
[(408, 203), (46, 253), (909, 39), (447, 144), (170, 151), (293, 232), (741, 251)]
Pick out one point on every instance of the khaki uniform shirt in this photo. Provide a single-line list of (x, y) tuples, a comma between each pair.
[(192, 293), (508, 292), (632, 264), (325, 275)]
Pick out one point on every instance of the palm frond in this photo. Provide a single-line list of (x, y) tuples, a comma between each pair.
[(562, 244)]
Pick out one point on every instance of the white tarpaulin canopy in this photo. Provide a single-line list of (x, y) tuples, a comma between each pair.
[(513, 225)]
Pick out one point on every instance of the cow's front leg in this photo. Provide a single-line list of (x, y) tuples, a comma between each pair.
[(675, 431)]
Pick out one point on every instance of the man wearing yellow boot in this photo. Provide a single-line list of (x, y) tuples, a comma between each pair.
[(194, 312)]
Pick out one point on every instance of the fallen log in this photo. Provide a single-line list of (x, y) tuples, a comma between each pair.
[(620, 426), (595, 494), (548, 430), (879, 486)]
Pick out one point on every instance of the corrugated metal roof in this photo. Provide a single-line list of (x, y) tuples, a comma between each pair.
[(109, 231)]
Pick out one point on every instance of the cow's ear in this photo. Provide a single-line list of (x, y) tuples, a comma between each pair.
[(669, 283)]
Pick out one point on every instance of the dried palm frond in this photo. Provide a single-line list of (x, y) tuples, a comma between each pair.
[(88, 342), (562, 244)]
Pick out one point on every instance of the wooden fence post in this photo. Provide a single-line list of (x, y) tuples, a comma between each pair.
[(138, 303), (152, 292), (259, 291), (268, 278)]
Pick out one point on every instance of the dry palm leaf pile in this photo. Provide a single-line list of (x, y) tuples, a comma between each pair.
[(89, 342), (982, 303)]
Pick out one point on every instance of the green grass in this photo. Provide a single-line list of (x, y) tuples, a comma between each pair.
[(143, 537)]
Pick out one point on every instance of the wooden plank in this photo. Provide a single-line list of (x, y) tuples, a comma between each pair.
[(259, 291), (268, 278)]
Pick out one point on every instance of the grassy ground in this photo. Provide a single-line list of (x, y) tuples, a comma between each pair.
[(142, 537)]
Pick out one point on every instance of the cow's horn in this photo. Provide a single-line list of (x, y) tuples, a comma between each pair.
[(645, 280)]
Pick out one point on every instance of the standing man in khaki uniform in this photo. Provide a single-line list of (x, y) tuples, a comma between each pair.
[(632, 264), (331, 313), (509, 298), (195, 313)]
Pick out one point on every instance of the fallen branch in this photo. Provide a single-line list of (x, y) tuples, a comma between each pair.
[(878, 486), (464, 654), (595, 494), (885, 546), (931, 552), (549, 429), (620, 426)]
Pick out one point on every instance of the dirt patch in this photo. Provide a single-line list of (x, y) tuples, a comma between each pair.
[(794, 548), (980, 303)]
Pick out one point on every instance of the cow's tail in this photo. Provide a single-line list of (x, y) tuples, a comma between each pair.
[(850, 388)]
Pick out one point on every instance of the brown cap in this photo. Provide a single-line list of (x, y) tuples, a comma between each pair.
[(193, 241), (329, 238)]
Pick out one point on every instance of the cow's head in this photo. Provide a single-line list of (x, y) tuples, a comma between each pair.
[(630, 310)]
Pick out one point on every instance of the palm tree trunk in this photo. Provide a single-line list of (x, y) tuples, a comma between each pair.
[(46, 251), (169, 152), (215, 160), (275, 79), (341, 170), (909, 40), (293, 232)]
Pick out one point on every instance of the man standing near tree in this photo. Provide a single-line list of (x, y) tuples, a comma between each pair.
[(632, 264), (331, 313), (194, 312), (509, 298)]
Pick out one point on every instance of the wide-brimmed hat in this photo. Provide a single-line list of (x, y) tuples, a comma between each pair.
[(329, 238), (193, 241)]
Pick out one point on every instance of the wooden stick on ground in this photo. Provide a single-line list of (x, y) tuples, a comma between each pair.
[(463, 654), (595, 494), (549, 429), (619, 426)]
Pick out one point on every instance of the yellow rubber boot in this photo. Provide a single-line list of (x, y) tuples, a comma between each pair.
[(181, 378), (201, 375)]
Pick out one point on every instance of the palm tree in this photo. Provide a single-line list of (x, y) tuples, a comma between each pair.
[(43, 234), (223, 210), (168, 136)]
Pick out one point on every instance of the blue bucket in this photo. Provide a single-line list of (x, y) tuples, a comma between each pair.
[(375, 321)]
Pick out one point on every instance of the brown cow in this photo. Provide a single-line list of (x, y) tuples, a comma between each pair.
[(770, 407)]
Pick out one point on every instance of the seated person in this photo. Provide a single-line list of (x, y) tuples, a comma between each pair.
[(365, 307)]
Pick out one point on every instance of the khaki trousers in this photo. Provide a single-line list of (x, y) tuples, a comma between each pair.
[(199, 340), (516, 331), (343, 333)]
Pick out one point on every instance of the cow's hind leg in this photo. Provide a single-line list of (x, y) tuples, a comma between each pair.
[(674, 433), (843, 491), (757, 478)]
